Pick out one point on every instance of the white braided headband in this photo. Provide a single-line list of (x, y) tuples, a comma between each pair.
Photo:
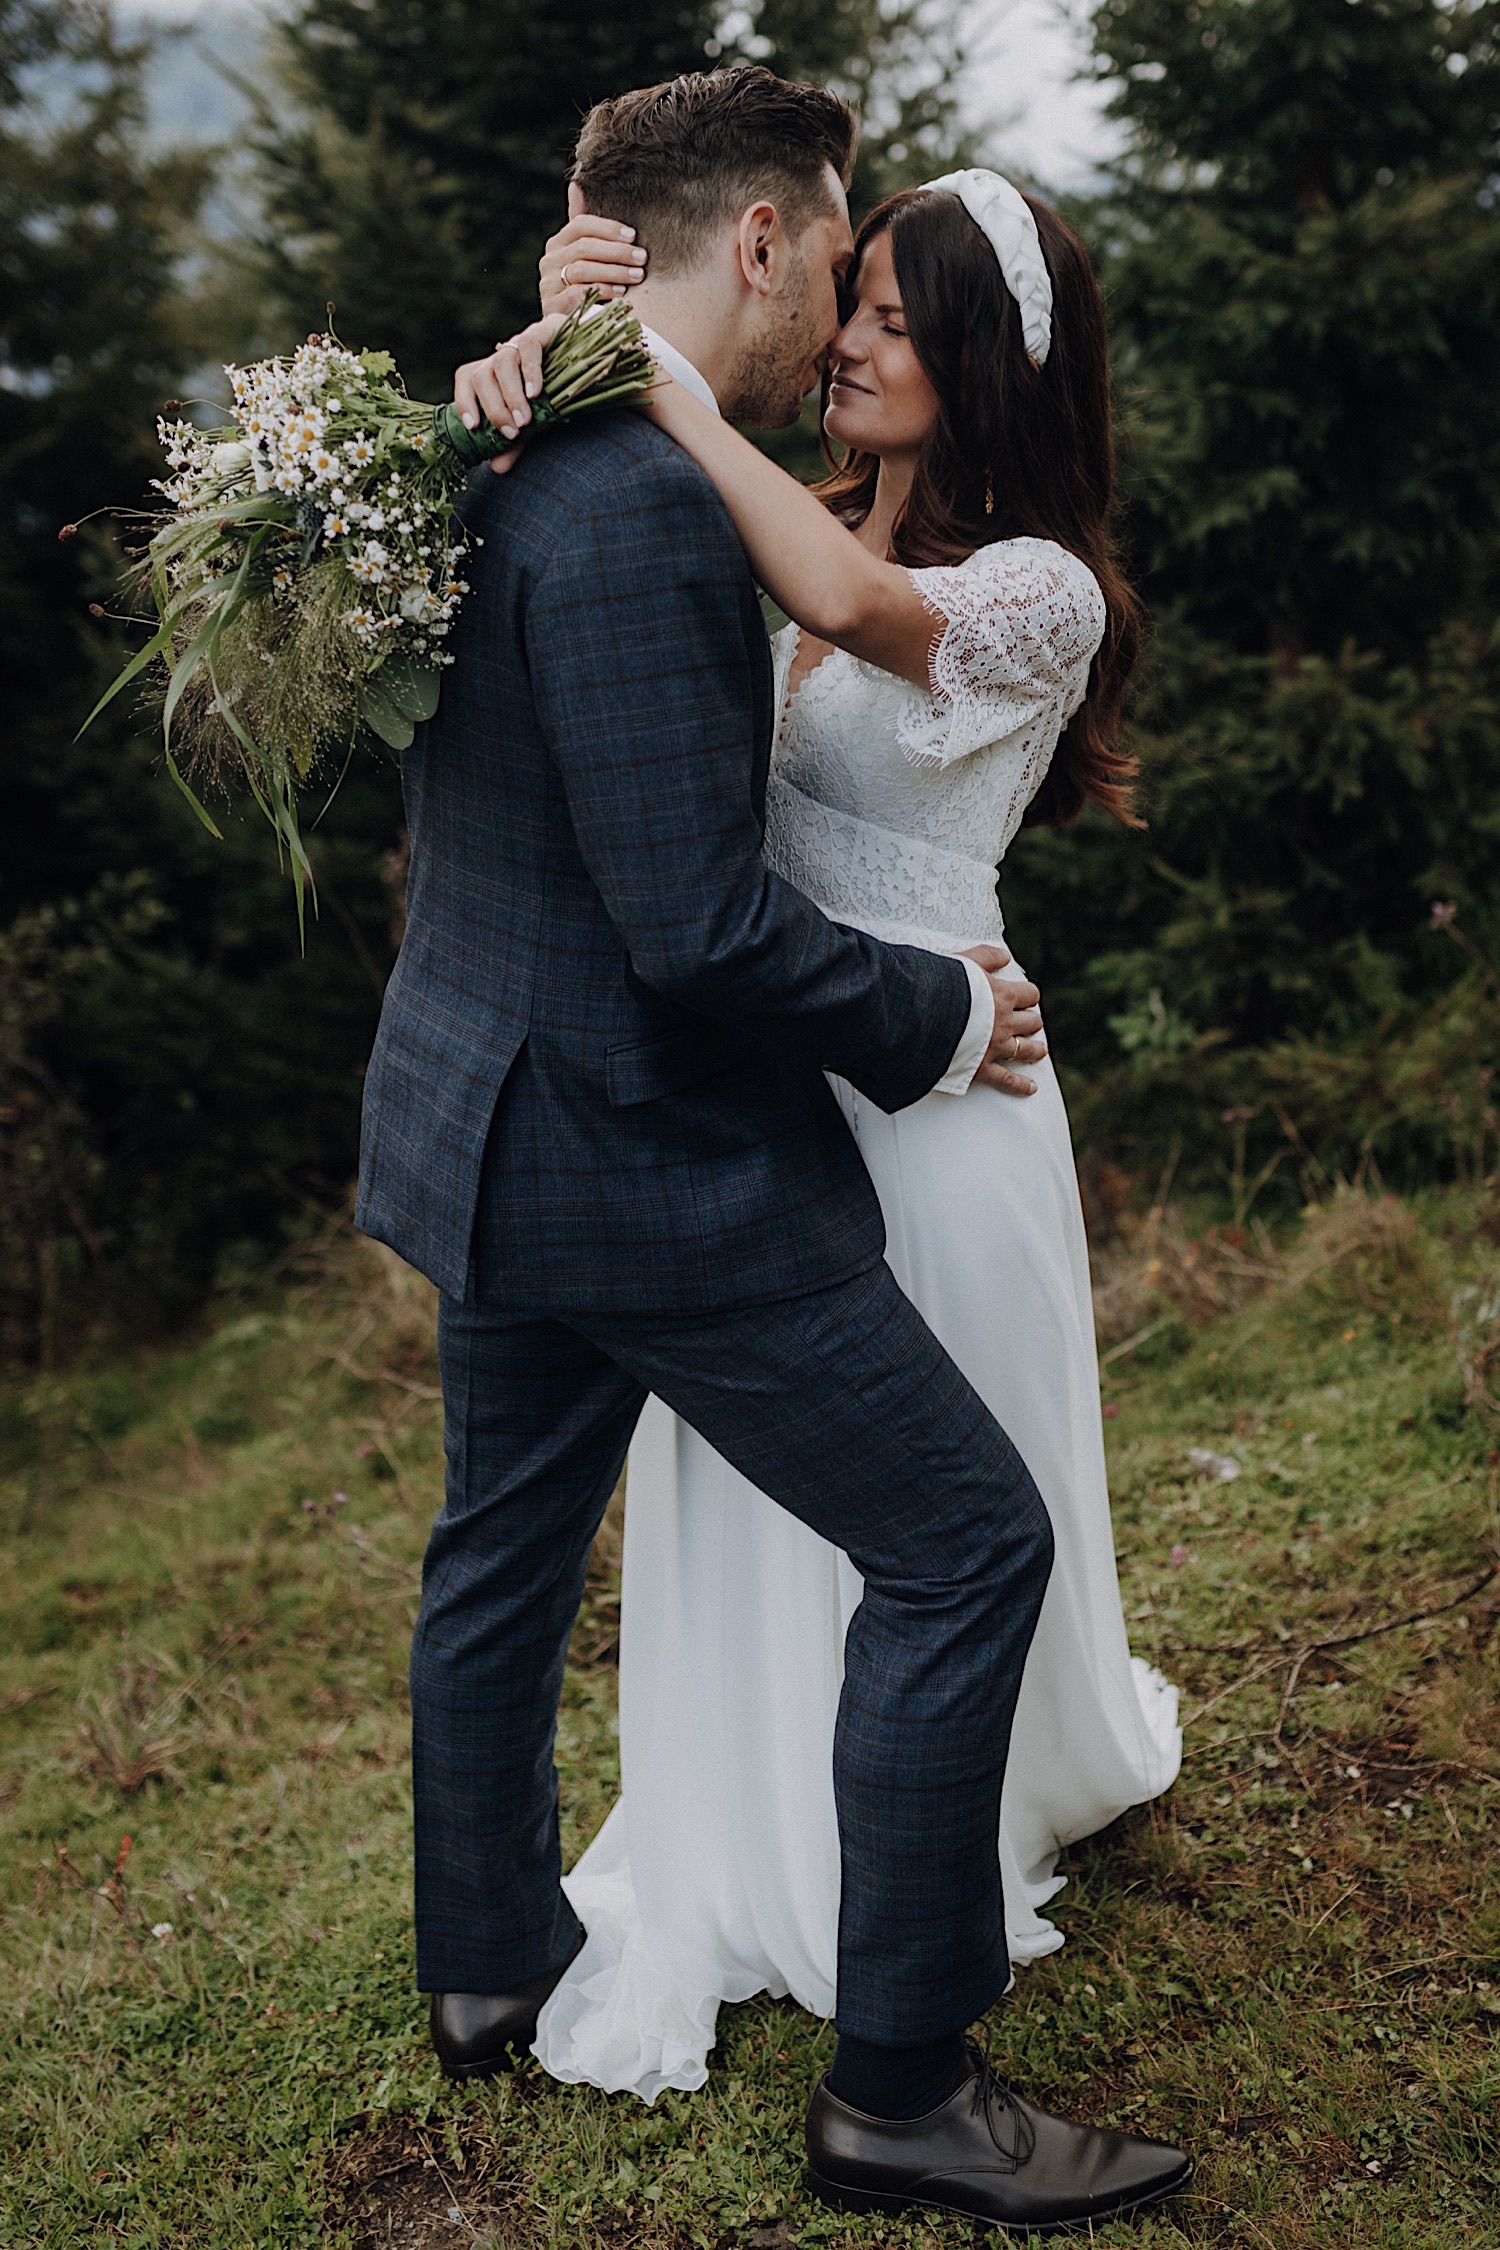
[(996, 207)]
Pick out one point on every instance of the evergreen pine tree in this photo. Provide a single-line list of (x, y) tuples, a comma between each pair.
[(423, 161), (1302, 254), (1305, 278), (174, 1076), (94, 329)]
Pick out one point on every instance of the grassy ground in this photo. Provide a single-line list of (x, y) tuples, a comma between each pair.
[(209, 1568)]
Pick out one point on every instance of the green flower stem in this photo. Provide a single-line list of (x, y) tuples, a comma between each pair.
[(596, 359)]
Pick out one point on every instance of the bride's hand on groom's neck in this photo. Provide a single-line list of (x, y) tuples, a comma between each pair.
[(588, 253)]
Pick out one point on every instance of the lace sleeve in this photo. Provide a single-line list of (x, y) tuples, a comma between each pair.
[(1019, 624)]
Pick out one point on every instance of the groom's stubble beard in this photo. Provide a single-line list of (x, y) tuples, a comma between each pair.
[(766, 380)]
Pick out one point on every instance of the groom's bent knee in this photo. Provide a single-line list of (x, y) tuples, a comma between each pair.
[(992, 1556), (1019, 1546)]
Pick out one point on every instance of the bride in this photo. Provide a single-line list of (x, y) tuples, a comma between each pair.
[(960, 646)]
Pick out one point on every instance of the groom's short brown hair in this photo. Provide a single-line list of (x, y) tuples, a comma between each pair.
[(679, 160)]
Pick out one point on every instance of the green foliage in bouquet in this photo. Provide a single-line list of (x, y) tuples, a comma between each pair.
[(309, 568)]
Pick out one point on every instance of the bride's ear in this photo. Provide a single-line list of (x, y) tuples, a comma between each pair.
[(576, 204)]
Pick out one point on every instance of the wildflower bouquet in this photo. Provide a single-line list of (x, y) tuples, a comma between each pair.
[(308, 566)]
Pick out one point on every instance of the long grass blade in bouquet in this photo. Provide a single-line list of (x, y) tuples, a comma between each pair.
[(307, 567)]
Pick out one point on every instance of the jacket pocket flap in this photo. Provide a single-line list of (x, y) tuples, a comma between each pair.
[(647, 1069)]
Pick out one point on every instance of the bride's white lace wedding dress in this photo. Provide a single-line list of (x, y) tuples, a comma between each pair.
[(717, 1874)]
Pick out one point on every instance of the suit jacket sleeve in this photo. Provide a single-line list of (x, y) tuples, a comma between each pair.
[(635, 635)]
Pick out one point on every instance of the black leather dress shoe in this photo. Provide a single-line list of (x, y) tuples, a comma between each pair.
[(476, 2034), (985, 2154)]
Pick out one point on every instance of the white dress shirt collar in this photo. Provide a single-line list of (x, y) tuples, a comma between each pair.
[(676, 364)]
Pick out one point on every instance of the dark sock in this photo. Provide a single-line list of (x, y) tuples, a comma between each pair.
[(897, 2082)]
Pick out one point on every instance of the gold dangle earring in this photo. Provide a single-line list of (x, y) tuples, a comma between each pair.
[(989, 493)]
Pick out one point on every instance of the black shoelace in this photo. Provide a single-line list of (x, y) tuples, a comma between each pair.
[(996, 2097)]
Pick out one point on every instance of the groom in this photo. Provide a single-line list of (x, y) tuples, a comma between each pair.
[(596, 1117)]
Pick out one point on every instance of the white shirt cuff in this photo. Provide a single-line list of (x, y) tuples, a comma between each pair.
[(978, 1031)]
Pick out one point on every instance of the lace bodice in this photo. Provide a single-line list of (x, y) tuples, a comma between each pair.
[(892, 807)]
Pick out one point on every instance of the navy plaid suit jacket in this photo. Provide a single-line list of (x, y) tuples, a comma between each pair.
[(606, 1012)]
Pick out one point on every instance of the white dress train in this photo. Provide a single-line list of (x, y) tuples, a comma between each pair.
[(717, 1874)]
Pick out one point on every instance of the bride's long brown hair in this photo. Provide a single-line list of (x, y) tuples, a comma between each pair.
[(1015, 450)]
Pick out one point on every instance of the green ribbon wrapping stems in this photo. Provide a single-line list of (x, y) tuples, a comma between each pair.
[(474, 447)]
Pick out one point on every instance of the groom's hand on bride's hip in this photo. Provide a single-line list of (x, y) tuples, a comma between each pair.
[(1017, 1037)]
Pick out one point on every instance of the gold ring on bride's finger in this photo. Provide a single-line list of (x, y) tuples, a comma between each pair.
[(565, 281)]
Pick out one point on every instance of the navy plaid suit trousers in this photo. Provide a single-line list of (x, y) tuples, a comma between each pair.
[(840, 1404)]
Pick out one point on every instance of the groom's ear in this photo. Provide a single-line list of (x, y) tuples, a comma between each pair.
[(576, 204), (760, 243)]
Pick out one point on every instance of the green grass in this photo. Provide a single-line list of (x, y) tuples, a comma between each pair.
[(209, 1572)]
